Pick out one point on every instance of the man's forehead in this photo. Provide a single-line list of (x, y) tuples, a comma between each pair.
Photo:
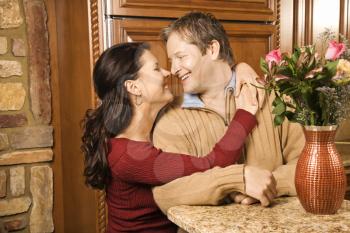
[(177, 45)]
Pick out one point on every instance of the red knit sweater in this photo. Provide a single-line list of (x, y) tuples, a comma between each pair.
[(138, 166)]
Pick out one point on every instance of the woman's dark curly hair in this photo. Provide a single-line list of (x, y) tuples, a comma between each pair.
[(116, 65)]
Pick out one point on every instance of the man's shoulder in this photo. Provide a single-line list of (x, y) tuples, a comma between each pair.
[(171, 115), (174, 112), (175, 119)]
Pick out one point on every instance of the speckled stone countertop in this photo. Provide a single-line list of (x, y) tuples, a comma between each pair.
[(285, 215)]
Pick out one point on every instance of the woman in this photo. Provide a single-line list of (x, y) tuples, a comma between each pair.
[(119, 155)]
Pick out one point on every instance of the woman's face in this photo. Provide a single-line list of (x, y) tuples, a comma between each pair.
[(153, 81)]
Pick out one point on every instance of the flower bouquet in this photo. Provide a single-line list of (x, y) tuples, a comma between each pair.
[(310, 88), (313, 88)]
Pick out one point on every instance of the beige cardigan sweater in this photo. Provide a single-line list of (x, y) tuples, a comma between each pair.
[(195, 131)]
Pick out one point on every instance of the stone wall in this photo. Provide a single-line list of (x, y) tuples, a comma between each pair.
[(26, 182)]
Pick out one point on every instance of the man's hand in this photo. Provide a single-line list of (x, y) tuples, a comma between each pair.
[(260, 184), (246, 74), (243, 199)]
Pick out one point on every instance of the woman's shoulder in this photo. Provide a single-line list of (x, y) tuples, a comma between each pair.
[(125, 146)]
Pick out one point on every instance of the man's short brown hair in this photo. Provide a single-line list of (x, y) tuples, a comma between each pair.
[(200, 29)]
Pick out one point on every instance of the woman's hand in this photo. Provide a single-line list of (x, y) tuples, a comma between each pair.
[(247, 99), (246, 75)]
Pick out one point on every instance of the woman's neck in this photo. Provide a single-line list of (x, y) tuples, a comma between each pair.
[(141, 124)]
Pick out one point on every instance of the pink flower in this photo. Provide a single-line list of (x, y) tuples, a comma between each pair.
[(273, 56), (280, 77), (334, 50)]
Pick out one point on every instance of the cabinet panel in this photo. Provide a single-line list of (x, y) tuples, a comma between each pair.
[(249, 10), (249, 41)]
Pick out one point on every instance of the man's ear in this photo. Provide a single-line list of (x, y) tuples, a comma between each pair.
[(132, 87), (213, 49)]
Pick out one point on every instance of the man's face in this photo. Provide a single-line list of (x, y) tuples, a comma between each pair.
[(188, 63)]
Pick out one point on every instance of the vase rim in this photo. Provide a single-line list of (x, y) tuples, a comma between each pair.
[(321, 128)]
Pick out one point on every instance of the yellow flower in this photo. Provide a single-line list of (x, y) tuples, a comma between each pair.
[(342, 76), (343, 66)]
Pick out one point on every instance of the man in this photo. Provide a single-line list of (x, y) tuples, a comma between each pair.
[(201, 57)]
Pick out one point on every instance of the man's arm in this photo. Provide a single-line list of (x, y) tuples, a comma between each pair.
[(292, 140), (210, 187), (205, 188)]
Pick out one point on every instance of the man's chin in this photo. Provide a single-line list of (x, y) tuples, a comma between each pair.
[(189, 90), (192, 92)]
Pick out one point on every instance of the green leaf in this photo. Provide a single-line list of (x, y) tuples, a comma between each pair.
[(278, 120), (279, 108), (291, 68), (332, 67), (321, 77), (277, 101), (325, 108), (289, 90), (290, 116), (264, 66), (285, 70), (295, 58)]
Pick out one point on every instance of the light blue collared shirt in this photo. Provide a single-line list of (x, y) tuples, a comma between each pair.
[(193, 100)]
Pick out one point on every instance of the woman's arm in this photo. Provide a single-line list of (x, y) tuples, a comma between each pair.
[(155, 167)]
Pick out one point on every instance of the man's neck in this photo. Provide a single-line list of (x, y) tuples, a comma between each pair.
[(214, 96)]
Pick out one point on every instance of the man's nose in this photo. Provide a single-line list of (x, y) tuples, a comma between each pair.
[(174, 68)]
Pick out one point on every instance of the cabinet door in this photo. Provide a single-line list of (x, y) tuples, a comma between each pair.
[(248, 41), (248, 10)]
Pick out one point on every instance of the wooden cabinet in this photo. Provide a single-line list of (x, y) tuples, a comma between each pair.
[(247, 10)]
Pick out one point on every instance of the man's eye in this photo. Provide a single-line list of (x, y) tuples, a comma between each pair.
[(181, 56), (157, 69)]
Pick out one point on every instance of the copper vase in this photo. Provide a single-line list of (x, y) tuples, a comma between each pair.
[(320, 177)]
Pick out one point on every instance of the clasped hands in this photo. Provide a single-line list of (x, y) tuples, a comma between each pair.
[(260, 185)]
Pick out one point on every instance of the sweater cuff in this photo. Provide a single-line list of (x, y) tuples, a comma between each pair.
[(207, 188), (285, 184), (246, 119)]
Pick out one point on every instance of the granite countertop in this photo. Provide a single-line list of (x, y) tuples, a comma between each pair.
[(285, 215)]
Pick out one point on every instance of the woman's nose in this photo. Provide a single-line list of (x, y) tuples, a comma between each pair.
[(165, 73)]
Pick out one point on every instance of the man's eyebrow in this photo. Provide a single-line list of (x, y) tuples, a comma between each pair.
[(174, 54), (177, 53)]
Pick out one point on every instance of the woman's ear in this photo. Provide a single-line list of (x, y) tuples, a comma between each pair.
[(213, 49), (132, 87)]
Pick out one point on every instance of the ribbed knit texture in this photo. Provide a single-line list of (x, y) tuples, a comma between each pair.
[(196, 130), (137, 166)]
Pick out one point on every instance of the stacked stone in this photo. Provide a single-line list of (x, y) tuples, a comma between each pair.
[(26, 182)]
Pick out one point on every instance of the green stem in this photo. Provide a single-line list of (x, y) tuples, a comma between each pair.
[(312, 118), (290, 105), (267, 89)]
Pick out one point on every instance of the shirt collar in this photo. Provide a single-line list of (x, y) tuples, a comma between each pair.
[(193, 100)]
